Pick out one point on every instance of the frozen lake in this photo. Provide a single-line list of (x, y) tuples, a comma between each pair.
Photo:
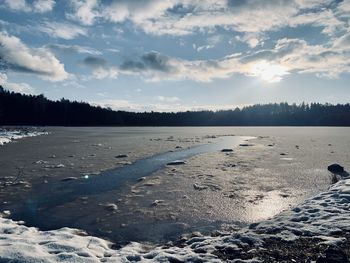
[(72, 177)]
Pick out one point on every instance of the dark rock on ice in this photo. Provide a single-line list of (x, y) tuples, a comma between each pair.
[(335, 168), (245, 144), (177, 162), (69, 179), (226, 150), (121, 156)]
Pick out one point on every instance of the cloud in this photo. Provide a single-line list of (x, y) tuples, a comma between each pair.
[(16, 87), (211, 42), (327, 19), (343, 42), (95, 61), (271, 65), (113, 50), (127, 105), (298, 56), (40, 61), (73, 49), (38, 6), (100, 67), (183, 17), (168, 99), (83, 11), (154, 66), (151, 61), (42, 6), (17, 5), (62, 30), (253, 40)]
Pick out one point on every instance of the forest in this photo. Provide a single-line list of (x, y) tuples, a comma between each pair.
[(20, 109)]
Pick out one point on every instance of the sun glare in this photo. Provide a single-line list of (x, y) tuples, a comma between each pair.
[(268, 72)]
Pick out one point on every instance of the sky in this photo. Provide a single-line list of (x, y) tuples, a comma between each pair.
[(177, 55)]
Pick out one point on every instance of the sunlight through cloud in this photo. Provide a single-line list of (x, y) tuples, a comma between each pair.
[(267, 71)]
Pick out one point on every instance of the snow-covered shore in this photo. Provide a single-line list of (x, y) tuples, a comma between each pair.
[(324, 218), (9, 135)]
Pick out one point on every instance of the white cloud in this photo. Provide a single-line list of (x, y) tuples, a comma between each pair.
[(16, 87), (211, 42), (113, 50), (253, 42), (298, 56), (127, 105), (18, 57), (73, 49), (183, 17), (84, 11), (251, 39), (42, 6), (343, 42), (18, 5), (168, 99), (38, 6), (271, 65), (105, 72), (62, 30), (267, 71), (100, 68)]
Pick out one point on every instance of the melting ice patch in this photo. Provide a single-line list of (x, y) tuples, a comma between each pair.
[(7, 136), (321, 216)]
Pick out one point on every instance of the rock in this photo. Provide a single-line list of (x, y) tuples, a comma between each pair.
[(245, 144), (196, 234), (283, 154), (55, 166), (226, 150), (110, 206), (6, 212), (177, 162), (335, 168), (199, 187), (157, 202), (41, 162), (121, 156), (69, 179)]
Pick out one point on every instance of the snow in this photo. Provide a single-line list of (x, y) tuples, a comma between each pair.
[(325, 216), (7, 136)]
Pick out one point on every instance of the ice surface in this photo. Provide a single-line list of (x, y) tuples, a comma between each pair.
[(325, 216)]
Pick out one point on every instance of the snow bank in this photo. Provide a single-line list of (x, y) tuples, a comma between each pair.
[(7, 136), (325, 216)]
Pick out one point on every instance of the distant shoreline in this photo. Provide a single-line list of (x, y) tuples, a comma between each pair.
[(37, 110)]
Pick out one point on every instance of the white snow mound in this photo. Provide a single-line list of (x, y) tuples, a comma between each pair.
[(7, 136)]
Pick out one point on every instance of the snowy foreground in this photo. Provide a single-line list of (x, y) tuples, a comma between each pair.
[(324, 217), (7, 136)]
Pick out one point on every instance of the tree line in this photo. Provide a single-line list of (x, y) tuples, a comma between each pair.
[(20, 109)]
